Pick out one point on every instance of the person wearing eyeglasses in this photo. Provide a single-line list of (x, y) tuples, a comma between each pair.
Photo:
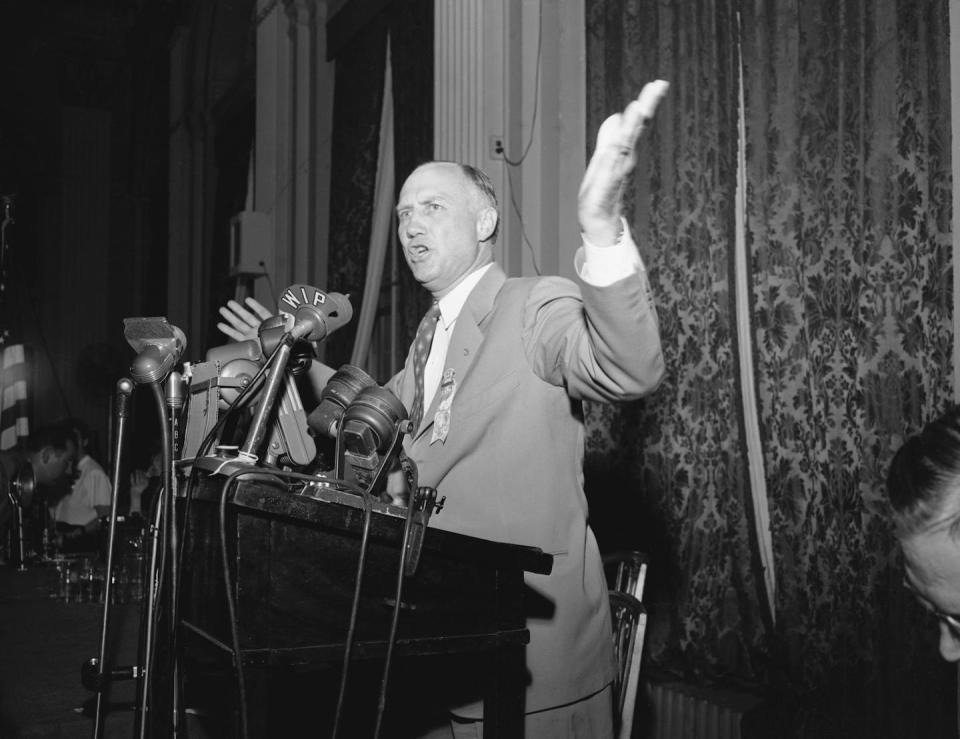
[(923, 486)]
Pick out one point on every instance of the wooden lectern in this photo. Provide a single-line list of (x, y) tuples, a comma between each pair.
[(294, 560)]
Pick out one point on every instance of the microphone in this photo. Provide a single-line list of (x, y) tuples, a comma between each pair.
[(337, 394), (316, 314), (124, 390), (158, 344), (369, 436), (175, 396)]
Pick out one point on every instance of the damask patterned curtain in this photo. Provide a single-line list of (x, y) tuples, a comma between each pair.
[(849, 246), (849, 225)]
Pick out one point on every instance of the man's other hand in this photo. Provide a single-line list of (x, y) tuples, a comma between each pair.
[(242, 324)]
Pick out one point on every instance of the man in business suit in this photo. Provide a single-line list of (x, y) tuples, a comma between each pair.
[(498, 420)]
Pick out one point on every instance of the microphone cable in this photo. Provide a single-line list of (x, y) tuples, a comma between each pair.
[(150, 614), (395, 618), (231, 606)]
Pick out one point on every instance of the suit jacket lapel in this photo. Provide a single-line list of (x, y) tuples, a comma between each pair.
[(468, 334)]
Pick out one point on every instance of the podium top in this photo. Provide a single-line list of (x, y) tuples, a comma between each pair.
[(331, 508)]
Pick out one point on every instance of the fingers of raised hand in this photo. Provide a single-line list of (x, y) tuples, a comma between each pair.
[(258, 308), (639, 112), (615, 153), (240, 323), (245, 317), (619, 133)]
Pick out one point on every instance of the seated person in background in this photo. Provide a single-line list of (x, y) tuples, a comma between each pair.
[(48, 453), (76, 516), (923, 486)]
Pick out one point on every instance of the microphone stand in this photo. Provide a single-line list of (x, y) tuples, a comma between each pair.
[(124, 390), (167, 525), (271, 387), (21, 555), (174, 404)]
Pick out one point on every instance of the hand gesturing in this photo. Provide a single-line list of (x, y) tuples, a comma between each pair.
[(613, 159), (242, 324)]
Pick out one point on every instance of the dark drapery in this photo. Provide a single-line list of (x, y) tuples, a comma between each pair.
[(358, 99), (849, 245)]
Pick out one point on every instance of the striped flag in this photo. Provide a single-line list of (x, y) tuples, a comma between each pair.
[(14, 424)]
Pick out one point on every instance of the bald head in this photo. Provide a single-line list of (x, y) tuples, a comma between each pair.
[(447, 221)]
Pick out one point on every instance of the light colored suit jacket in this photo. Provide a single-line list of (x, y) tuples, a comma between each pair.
[(524, 353)]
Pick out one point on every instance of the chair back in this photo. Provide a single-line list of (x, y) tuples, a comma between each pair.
[(627, 572), (626, 576), (629, 620)]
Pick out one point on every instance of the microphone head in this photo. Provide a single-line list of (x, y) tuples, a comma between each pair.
[(124, 391), (369, 421), (22, 485), (142, 332), (336, 395), (152, 364), (159, 345), (176, 397), (316, 314)]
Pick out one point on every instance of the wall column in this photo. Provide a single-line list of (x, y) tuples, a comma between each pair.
[(516, 72)]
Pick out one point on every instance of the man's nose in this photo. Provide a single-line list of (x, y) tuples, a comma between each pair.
[(949, 644), (413, 226)]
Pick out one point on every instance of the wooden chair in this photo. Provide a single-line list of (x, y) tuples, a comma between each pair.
[(626, 575), (626, 572)]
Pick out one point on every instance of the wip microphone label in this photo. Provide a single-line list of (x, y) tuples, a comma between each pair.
[(296, 296)]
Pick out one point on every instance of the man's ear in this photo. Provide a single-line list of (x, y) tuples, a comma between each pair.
[(486, 224)]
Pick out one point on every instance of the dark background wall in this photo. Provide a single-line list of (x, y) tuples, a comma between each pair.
[(84, 131)]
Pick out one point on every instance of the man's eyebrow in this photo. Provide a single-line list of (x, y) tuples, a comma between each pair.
[(431, 197)]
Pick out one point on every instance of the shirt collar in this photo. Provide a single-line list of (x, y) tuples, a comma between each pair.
[(452, 303)]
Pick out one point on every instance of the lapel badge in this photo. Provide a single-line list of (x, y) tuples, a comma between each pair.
[(441, 420)]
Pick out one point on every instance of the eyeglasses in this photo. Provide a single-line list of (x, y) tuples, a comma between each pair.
[(952, 621)]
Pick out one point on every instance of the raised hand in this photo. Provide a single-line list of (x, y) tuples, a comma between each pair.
[(242, 324), (613, 159)]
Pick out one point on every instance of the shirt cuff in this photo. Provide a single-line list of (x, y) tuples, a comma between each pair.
[(603, 265)]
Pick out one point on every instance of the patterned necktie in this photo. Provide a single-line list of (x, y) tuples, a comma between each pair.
[(421, 349)]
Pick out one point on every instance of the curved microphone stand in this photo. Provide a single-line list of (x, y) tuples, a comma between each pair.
[(166, 526)]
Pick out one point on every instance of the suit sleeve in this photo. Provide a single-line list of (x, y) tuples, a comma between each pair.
[(600, 342)]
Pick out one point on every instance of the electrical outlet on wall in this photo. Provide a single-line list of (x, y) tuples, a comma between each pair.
[(496, 147)]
